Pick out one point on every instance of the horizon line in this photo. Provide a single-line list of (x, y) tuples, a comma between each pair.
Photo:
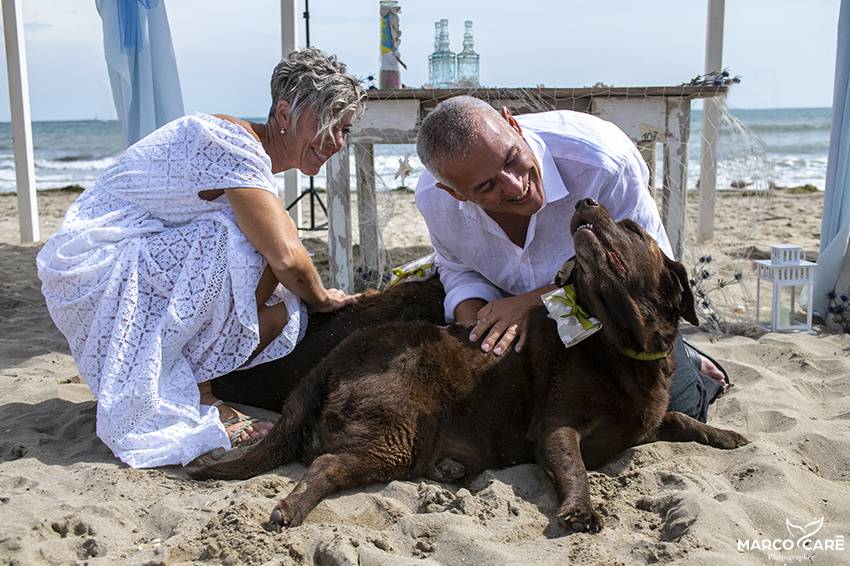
[(96, 119)]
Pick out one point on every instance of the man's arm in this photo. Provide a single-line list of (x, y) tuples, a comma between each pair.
[(463, 286), (460, 281), (466, 313), (471, 299)]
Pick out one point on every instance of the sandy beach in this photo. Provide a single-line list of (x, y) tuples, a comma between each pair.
[(64, 498)]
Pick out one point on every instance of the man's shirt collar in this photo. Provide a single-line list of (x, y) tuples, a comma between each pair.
[(553, 184)]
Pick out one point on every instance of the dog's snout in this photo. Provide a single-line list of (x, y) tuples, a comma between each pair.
[(585, 203)]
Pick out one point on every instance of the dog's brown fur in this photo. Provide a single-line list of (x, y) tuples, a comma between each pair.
[(406, 400), (268, 385)]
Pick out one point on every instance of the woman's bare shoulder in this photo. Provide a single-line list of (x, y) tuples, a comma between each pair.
[(246, 125)]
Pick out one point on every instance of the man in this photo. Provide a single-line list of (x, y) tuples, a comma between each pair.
[(498, 197)]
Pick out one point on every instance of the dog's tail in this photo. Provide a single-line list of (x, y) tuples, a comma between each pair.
[(285, 442)]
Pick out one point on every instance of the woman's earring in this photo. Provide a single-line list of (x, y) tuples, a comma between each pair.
[(283, 130)]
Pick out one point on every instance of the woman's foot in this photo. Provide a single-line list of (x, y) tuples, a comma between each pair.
[(240, 427)]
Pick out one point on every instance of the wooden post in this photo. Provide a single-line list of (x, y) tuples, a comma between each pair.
[(647, 151), (289, 18), (19, 100), (675, 187), (367, 214), (710, 122), (339, 221)]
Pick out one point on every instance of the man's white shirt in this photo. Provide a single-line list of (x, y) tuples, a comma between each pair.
[(580, 156)]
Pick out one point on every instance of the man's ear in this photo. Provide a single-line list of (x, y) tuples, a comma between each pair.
[(506, 114), (452, 192), (687, 309), (281, 114)]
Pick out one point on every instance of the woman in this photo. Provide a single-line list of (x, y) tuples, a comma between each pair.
[(180, 264)]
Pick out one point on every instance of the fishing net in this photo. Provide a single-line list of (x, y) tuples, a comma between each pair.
[(655, 118)]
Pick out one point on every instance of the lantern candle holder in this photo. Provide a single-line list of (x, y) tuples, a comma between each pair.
[(789, 279)]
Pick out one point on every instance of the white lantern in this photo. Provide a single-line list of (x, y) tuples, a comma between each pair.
[(790, 278)]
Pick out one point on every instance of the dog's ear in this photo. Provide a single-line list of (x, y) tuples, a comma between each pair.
[(566, 275), (687, 309)]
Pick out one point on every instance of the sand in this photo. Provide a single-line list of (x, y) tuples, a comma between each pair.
[(65, 499)]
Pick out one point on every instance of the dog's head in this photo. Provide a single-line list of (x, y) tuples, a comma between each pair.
[(625, 280)]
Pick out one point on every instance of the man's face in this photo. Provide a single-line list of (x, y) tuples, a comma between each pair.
[(498, 172)]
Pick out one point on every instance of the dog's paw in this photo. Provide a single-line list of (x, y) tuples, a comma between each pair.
[(448, 470), (727, 439), (580, 517), (284, 516)]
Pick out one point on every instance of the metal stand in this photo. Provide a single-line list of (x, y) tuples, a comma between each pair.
[(311, 191), (314, 197)]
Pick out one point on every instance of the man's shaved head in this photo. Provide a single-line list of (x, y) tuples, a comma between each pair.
[(450, 129)]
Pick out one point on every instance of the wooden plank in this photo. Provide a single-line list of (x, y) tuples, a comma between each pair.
[(643, 120), (674, 196), (367, 216), (647, 151), (708, 169), (710, 123), (339, 221), (19, 101), (290, 193), (387, 121), (700, 91), (289, 19)]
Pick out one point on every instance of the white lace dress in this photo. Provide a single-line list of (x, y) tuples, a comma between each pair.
[(154, 287)]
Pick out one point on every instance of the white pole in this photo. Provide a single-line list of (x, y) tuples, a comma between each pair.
[(289, 19), (710, 122), (19, 100)]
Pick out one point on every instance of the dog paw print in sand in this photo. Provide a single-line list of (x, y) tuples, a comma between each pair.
[(493, 500), (86, 546)]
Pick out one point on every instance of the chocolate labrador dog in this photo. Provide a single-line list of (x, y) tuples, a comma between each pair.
[(407, 400)]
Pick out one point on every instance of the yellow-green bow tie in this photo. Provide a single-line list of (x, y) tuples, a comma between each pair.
[(576, 309), (401, 274)]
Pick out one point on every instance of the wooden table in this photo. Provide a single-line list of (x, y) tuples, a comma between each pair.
[(648, 115)]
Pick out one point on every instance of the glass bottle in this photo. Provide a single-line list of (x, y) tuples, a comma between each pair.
[(467, 60), (442, 64)]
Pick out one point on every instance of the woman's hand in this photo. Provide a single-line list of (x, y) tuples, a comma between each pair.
[(335, 300)]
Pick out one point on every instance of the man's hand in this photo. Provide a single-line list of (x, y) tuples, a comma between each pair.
[(503, 321), (708, 368)]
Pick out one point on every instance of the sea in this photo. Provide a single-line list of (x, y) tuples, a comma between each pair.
[(761, 147)]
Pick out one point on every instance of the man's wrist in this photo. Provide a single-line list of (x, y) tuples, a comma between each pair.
[(533, 297), (467, 310)]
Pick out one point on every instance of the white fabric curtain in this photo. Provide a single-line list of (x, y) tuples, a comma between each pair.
[(141, 64), (835, 228)]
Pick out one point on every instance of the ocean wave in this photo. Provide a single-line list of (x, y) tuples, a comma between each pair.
[(84, 157), (825, 126), (82, 165), (7, 162)]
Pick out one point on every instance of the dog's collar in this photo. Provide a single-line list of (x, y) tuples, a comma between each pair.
[(645, 356), (575, 323)]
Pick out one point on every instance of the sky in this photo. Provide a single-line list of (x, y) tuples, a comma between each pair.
[(784, 50)]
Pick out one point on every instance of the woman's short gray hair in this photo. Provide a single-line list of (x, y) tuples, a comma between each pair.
[(449, 130), (309, 78)]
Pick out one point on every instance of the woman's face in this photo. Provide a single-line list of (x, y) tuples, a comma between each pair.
[(310, 149)]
